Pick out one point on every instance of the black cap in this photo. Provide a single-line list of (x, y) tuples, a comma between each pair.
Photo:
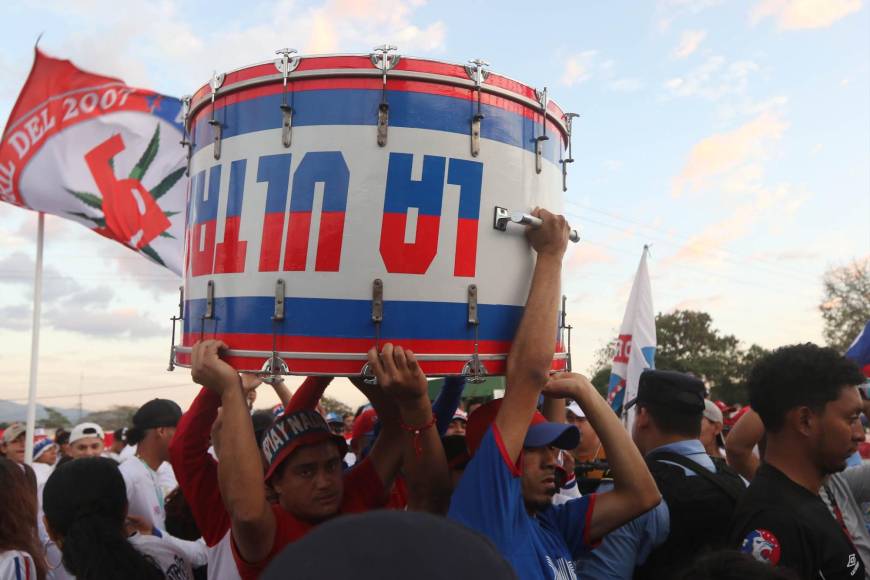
[(679, 391), (157, 413), (390, 544)]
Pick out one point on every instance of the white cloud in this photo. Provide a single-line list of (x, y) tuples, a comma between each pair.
[(667, 11), (713, 79), (627, 85), (803, 14), (578, 68), (689, 43)]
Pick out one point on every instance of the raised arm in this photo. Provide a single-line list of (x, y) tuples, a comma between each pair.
[(240, 470), (423, 459), (447, 402), (283, 391), (531, 354), (634, 490), (196, 470), (739, 445)]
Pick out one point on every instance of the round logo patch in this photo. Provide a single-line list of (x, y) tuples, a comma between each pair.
[(762, 545)]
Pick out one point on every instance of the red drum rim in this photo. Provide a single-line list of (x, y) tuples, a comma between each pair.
[(359, 66)]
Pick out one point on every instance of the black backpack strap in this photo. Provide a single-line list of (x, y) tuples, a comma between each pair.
[(695, 468)]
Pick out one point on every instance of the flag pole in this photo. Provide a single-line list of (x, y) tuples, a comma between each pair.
[(34, 344)]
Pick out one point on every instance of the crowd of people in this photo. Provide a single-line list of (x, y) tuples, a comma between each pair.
[(545, 482)]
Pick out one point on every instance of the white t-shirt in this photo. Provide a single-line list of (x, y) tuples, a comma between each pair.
[(221, 565), (169, 558), (166, 477), (15, 565), (144, 492), (128, 452)]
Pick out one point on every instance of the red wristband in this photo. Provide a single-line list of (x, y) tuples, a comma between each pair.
[(416, 432)]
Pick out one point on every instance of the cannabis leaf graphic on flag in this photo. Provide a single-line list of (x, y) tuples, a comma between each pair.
[(131, 214)]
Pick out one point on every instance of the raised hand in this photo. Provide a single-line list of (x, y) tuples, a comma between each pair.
[(209, 370), (552, 236), (567, 386), (398, 374)]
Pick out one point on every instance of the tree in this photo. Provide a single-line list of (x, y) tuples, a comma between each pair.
[(331, 405), (845, 306), (688, 342), (55, 420)]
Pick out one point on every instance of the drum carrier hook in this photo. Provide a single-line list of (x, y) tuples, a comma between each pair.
[(383, 60), (175, 319), (474, 371), (478, 74), (215, 83), (275, 366), (285, 65), (569, 119), (367, 374), (539, 141)]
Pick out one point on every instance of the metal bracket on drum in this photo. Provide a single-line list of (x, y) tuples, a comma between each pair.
[(215, 83), (478, 74), (383, 60), (209, 308), (175, 319), (185, 136), (267, 372), (285, 65), (474, 371), (563, 325), (502, 217), (377, 318), (539, 141), (569, 118)]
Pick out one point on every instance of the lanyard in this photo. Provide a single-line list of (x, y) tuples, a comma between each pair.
[(838, 515)]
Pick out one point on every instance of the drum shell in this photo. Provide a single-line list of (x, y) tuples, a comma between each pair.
[(329, 239)]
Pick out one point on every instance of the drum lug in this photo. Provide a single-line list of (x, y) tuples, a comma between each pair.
[(478, 74), (286, 125), (474, 371), (475, 135), (185, 135), (175, 319), (539, 145), (216, 81), (383, 123), (377, 301), (209, 301), (382, 59), (287, 63), (279, 300), (568, 117), (565, 326)]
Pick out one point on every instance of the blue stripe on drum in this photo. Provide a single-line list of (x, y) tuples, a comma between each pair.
[(319, 317), (360, 107)]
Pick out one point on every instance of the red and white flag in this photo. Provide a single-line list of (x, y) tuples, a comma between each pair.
[(92, 149)]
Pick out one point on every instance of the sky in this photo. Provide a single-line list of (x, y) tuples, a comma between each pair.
[(733, 137)]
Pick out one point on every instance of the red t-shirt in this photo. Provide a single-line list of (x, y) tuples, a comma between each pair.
[(363, 491)]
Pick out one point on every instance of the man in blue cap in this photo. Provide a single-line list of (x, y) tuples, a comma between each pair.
[(507, 490), (699, 492)]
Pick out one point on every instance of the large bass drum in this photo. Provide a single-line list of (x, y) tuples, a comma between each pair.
[(340, 202)]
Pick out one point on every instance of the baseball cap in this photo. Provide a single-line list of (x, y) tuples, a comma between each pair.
[(712, 412), (576, 410), (541, 433), (83, 430), (42, 446), (679, 391), (391, 544), (293, 430), (157, 413), (334, 418), (460, 415), (13, 432)]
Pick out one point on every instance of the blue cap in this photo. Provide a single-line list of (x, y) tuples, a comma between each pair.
[(334, 418)]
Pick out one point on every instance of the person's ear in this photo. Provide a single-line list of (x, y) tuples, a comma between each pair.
[(641, 417), (803, 420)]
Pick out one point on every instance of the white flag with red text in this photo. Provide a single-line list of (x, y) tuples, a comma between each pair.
[(636, 345), (94, 150)]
